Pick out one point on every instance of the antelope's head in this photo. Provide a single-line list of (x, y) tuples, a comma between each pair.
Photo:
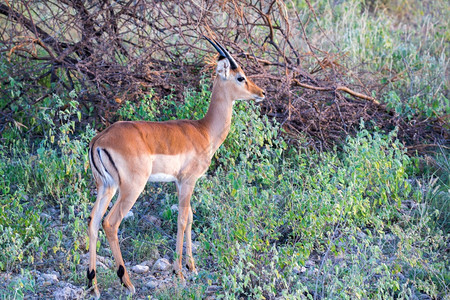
[(230, 74)]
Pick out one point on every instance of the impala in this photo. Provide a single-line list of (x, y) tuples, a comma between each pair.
[(127, 155)]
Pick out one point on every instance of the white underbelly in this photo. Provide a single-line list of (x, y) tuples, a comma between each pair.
[(161, 177)]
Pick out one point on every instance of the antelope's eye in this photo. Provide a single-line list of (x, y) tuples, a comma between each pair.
[(240, 79)]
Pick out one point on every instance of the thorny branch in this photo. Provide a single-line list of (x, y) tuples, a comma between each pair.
[(111, 51)]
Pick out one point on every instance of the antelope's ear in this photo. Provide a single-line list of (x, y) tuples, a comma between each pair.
[(223, 68)]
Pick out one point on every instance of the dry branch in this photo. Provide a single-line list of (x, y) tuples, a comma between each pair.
[(338, 88), (107, 50)]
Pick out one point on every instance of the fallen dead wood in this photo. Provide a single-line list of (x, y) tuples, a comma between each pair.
[(338, 88)]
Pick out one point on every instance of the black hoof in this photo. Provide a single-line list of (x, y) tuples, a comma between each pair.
[(90, 276), (120, 273)]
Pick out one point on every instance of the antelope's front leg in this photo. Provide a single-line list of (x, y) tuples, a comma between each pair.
[(189, 257), (184, 206)]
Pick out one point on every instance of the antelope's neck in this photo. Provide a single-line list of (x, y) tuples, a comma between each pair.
[(217, 120)]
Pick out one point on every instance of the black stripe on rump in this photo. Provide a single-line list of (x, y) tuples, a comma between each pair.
[(93, 161), (113, 164)]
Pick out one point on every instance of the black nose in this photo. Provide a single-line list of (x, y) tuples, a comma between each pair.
[(264, 93)]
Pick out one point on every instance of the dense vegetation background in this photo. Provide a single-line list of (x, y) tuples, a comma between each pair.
[(336, 187)]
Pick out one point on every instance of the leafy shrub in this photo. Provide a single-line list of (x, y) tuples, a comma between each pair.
[(20, 225), (263, 212), (38, 176), (264, 218), (272, 221)]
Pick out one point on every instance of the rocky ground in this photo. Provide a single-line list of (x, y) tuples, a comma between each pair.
[(150, 277)]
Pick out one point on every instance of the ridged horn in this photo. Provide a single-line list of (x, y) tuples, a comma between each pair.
[(223, 53), (233, 64)]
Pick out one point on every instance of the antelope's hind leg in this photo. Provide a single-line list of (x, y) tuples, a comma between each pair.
[(128, 193), (104, 196)]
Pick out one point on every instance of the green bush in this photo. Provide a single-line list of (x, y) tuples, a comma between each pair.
[(263, 218), (263, 213), (40, 175), (272, 220)]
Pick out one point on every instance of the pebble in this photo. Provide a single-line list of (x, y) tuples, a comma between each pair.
[(299, 270), (195, 246), (153, 255), (51, 278), (361, 235), (153, 283), (212, 289), (309, 263), (45, 216), (140, 269), (162, 264), (130, 214), (313, 272), (102, 261), (149, 263), (167, 283), (154, 220), (69, 291)]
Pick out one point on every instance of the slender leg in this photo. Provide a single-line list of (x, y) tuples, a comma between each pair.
[(104, 196), (189, 257), (184, 206), (127, 197)]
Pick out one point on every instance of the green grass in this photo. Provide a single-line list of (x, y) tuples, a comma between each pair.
[(272, 219), (262, 213), (401, 46), (273, 216)]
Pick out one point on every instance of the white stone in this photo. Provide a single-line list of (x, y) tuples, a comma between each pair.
[(149, 263), (154, 220), (152, 284), (130, 214), (174, 208), (139, 269), (107, 262), (50, 277), (68, 292), (102, 262), (44, 215), (298, 270), (162, 264), (195, 246), (309, 263)]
